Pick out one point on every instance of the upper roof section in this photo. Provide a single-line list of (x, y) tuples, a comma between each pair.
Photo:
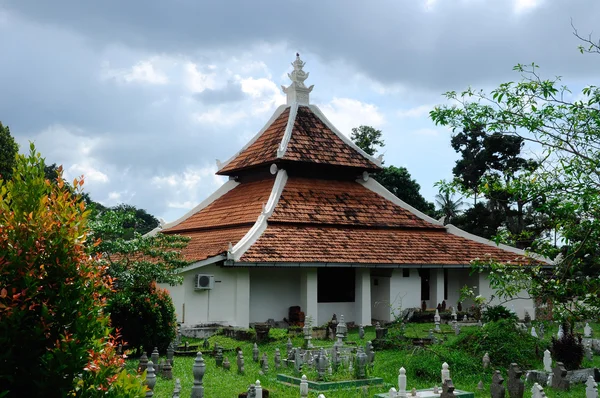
[(299, 133)]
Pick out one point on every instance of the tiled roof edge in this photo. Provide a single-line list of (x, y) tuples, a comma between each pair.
[(379, 189), (342, 136), (237, 251), (464, 234), (277, 113), (288, 130), (228, 186)]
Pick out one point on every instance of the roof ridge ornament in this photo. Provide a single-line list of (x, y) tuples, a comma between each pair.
[(297, 92)]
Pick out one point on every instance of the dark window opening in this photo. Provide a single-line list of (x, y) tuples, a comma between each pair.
[(406, 272), (446, 284), (424, 273), (335, 285)]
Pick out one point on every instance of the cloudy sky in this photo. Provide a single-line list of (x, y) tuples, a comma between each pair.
[(141, 96)]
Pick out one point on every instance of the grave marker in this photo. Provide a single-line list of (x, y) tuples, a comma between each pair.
[(533, 332), (587, 330), (447, 389), (255, 353), (559, 380), (198, 370), (240, 362), (258, 388), (401, 383), (226, 364), (547, 361), (177, 389), (516, 387), (361, 332), (277, 358), (497, 390), (486, 360), (436, 320), (591, 389), (537, 391), (150, 379), (304, 387), (445, 372)]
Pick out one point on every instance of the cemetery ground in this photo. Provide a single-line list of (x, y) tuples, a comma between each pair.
[(422, 363)]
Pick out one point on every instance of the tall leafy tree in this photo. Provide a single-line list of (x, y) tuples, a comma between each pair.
[(567, 180), (449, 207), (8, 151), (397, 180)]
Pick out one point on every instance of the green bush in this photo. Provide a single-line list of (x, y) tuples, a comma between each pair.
[(504, 343), (278, 334), (53, 331), (495, 313), (144, 317), (568, 350)]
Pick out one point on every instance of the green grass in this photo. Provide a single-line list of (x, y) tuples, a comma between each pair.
[(423, 367)]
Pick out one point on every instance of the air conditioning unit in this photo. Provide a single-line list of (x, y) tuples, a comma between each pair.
[(204, 282)]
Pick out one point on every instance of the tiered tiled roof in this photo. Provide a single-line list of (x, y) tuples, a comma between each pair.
[(323, 217)]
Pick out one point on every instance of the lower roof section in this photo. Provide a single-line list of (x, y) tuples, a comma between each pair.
[(208, 243), (282, 243)]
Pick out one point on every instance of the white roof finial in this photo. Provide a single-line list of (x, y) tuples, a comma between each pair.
[(297, 92)]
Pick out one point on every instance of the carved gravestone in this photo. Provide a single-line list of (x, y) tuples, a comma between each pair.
[(361, 364), (587, 330), (591, 388), (219, 357), (240, 362), (198, 371), (154, 357), (177, 389), (497, 390), (445, 372), (255, 353), (370, 351), (401, 383), (447, 389), (516, 387), (277, 358), (288, 347), (171, 353), (559, 380), (537, 391), (486, 361), (361, 332), (480, 385), (533, 332), (226, 364), (143, 363), (167, 370), (547, 361)]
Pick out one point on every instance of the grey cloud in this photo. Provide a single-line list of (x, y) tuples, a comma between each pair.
[(452, 45), (232, 92)]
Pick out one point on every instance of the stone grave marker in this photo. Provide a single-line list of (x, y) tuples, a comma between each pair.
[(277, 359), (167, 370), (413, 392), (465, 319), (589, 354), (486, 360), (289, 346), (150, 379), (219, 357), (198, 370), (445, 372), (393, 393), (255, 353), (447, 389), (537, 391), (516, 387), (226, 364), (304, 387), (258, 388), (265, 364), (370, 351), (533, 332), (143, 363), (240, 362), (361, 332), (401, 383), (171, 353), (587, 330), (436, 320), (480, 385), (591, 389), (547, 361), (559, 380), (177, 389), (560, 334), (251, 393), (497, 390)]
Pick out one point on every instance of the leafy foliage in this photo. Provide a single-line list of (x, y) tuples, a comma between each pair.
[(565, 184), (495, 313), (367, 138), (144, 313), (568, 350), (51, 292), (8, 151)]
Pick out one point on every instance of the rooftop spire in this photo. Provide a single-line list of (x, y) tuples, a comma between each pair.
[(297, 92)]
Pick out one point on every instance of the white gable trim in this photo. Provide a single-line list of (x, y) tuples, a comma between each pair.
[(228, 186), (261, 223), (379, 189), (288, 131), (464, 234), (277, 113), (203, 263), (342, 136)]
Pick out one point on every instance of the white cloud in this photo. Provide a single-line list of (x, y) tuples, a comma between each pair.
[(521, 6), (144, 71), (418, 111), (264, 93), (196, 81), (218, 116), (90, 173), (346, 113)]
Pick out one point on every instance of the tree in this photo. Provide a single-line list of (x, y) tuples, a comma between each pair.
[(448, 206), (367, 138), (397, 180), (8, 151), (53, 329), (143, 312), (567, 180)]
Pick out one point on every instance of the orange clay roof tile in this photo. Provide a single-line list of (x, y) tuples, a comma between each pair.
[(209, 243), (242, 204), (315, 201), (287, 243)]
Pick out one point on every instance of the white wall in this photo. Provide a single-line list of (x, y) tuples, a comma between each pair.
[(404, 292), (380, 298), (457, 278), (227, 303), (362, 299), (519, 305), (177, 293), (272, 292)]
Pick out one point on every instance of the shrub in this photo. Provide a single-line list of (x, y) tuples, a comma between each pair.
[(278, 334), (145, 317), (503, 341), (495, 313), (568, 350), (51, 291)]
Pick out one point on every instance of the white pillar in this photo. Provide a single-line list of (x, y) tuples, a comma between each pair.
[(437, 286), (362, 299), (242, 298), (308, 294)]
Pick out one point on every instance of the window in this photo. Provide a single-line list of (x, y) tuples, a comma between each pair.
[(335, 285), (424, 273), (406, 272)]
